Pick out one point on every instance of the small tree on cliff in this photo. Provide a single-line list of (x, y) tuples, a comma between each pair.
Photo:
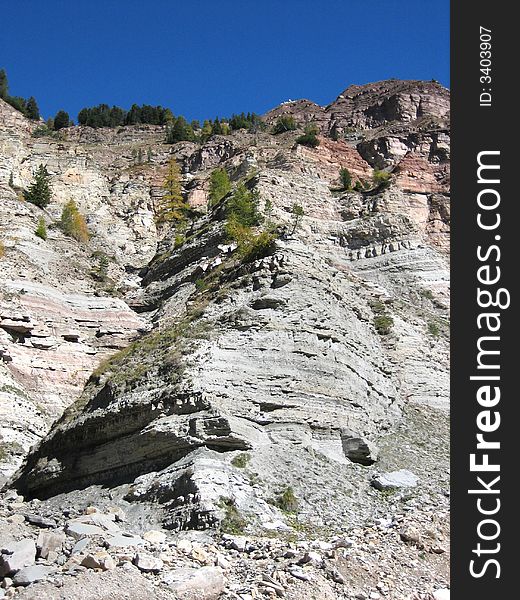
[(39, 192), (31, 109), (73, 223), (61, 120), (297, 212), (346, 179), (172, 206), (219, 186)]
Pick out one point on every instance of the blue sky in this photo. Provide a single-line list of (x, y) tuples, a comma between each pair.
[(204, 58)]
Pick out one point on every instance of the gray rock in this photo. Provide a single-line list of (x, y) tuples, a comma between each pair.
[(358, 449), (148, 563), (123, 540), (395, 480), (206, 583), (80, 530), (17, 555), (48, 542), (40, 521), (99, 560), (31, 574), (80, 545)]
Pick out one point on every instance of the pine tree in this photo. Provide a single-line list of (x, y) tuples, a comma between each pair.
[(61, 120), (172, 206), (298, 213), (219, 186), (4, 85), (73, 223), (39, 192), (31, 109), (346, 179), (41, 229)]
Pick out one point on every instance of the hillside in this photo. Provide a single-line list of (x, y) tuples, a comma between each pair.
[(246, 408)]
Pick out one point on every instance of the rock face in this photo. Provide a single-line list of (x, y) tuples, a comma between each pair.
[(219, 391)]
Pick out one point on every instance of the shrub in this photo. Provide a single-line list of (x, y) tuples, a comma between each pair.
[(433, 329), (284, 123), (241, 460), (73, 223), (309, 137), (39, 192), (233, 521), (219, 186), (201, 285), (345, 179), (2, 249), (383, 324), (287, 501), (381, 179), (41, 229)]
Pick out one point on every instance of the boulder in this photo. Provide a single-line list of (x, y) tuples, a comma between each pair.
[(17, 555), (206, 583), (31, 574), (49, 542), (99, 560), (148, 563), (395, 480)]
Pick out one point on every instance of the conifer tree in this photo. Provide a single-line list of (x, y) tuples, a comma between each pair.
[(61, 120), (31, 109), (73, 223), (219, 186), (172, 206), (4, 85), (39, 192)]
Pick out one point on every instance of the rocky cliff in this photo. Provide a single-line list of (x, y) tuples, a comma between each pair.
[(204, 391)]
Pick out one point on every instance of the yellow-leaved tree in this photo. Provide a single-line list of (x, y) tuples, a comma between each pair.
[(172, 207)]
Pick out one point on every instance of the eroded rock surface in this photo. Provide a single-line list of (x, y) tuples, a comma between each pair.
[(257, 395)]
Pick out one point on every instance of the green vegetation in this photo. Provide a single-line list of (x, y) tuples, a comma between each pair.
[(29, 107), (242, 216), (103, 115), (309, 137), (41, 229), (233, 522), (284, 123), (179, 130), (219, 186), (242, 207), (345, 179), (252, 122), (381, 179), (287, 501), (297, 212), (241, 460), (172, 206), (39, 192), (433, 329), (100, 271), (61, 120), (73, 223), (383, 324), (201, 285)]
